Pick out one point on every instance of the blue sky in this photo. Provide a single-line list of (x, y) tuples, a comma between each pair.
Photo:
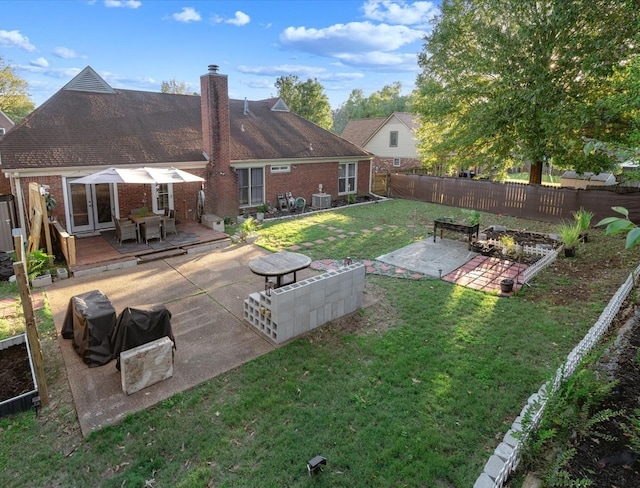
[(137, 44)]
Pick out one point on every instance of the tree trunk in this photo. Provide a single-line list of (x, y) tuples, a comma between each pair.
[(535, 173)]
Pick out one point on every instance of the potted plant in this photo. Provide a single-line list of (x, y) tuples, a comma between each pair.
[(569, 233), (38, 271), (583, 221), (50, 203), (262, 209), (473, 217), (247, 230)]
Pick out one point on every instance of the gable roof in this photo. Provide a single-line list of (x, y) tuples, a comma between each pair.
[(89, 123), (5, 122), (361, 131)]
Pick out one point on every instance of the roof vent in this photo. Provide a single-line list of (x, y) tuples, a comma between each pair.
[(213, 68)]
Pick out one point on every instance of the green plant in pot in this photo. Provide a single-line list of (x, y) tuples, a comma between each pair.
[(247, 229), (261, 210), (583, 221), (37, 263), (569, 233), (473, 217)]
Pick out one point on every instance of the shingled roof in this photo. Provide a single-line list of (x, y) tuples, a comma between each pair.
[(88, 124), (360, 131)]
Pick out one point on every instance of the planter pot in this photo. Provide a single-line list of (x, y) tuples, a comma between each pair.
[(18, 388), (584, 237), (569, 252), (260, 216), (240, 219), (506, 285), (476, 247), (42, 280)]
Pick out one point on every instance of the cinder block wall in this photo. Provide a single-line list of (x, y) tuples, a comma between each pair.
[(300, 307)]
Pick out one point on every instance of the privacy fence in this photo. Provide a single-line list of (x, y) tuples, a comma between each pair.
[(536, 202)]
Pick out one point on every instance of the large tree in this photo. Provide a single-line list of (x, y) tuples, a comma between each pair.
[(305, 98), (512, 81), (14, 98), (379, 104), (174, 86)]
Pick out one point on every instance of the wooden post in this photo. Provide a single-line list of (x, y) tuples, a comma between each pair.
[(32, 331), (47, 230)]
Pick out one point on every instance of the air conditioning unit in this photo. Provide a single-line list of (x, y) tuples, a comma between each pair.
[(321, 200)]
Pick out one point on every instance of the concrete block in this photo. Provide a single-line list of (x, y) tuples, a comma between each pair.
[(494, 466), (484, 481), (146, 365), (512, 438), (503, 451)]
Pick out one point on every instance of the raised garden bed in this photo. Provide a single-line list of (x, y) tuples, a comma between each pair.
[(18, 387), (528, 248)]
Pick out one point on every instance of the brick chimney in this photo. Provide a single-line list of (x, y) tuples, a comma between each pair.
[(221, 186)]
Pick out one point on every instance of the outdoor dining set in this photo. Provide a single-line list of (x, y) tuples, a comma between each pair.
[(143, 226)]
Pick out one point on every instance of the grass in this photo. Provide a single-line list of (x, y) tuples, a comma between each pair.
[(547, 179), (415, 391)]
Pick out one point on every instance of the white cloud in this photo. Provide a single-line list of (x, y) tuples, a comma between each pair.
[(349, 38), (376, 60), (40, 62), (122, 3), (400, 12), (301, 71), (65, 53), (15, 39), (188, 14), (239, 19)]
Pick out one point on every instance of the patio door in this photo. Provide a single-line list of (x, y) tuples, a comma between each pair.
[(90, 206)]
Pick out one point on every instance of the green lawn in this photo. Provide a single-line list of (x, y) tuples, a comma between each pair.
[(415, 391)]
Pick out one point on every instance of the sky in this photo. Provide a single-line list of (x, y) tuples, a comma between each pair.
[(137, 44)]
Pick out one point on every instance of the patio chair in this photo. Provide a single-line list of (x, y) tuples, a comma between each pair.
[(125, 229), (169, 223), (150, 229)]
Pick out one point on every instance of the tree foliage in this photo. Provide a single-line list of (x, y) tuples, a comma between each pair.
[(305, 98), (14, 98), (511, 81), (174, 86), (379, 104)]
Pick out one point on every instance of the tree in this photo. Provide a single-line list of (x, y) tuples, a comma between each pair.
[(307, 99), (511, 81), (14, 98), (379, 104), (174, 86)]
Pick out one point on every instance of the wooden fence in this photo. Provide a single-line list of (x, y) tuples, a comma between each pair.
[(536, 202)]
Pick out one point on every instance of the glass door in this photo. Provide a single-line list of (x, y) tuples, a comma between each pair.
[(90, 207)]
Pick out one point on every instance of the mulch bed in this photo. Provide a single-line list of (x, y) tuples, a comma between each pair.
[(15, 372)]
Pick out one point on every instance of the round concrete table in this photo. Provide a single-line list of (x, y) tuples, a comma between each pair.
[(279, 265)]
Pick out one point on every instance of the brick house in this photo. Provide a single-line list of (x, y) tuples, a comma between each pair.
[(392, 140), (247, 151)]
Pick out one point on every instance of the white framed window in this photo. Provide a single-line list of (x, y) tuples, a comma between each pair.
[(251, 186), (347, 181), (282, 168), (396, 162), (393, 138), (1, 131)]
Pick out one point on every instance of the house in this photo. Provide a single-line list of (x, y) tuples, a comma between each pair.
[(392, 140), (247, 151), (5, 123), (571, 179)]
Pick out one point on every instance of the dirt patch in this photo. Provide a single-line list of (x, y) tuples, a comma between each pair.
[(15, 372), (376, 316), (604, 462)]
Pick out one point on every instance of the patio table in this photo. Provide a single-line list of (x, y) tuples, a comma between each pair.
[(279, 265), (139, 219)]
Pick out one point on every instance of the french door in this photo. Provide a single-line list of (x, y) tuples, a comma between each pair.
[(90, 206)]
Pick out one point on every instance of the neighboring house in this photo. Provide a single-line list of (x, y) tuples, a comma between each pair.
[(247, 151), (5, 124), (392, 140), (571, 179)]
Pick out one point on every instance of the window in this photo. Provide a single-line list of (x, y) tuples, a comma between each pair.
[(347, 178), (251, 186), (396, 162), (283, 168), (393, 138), (1, 130)]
